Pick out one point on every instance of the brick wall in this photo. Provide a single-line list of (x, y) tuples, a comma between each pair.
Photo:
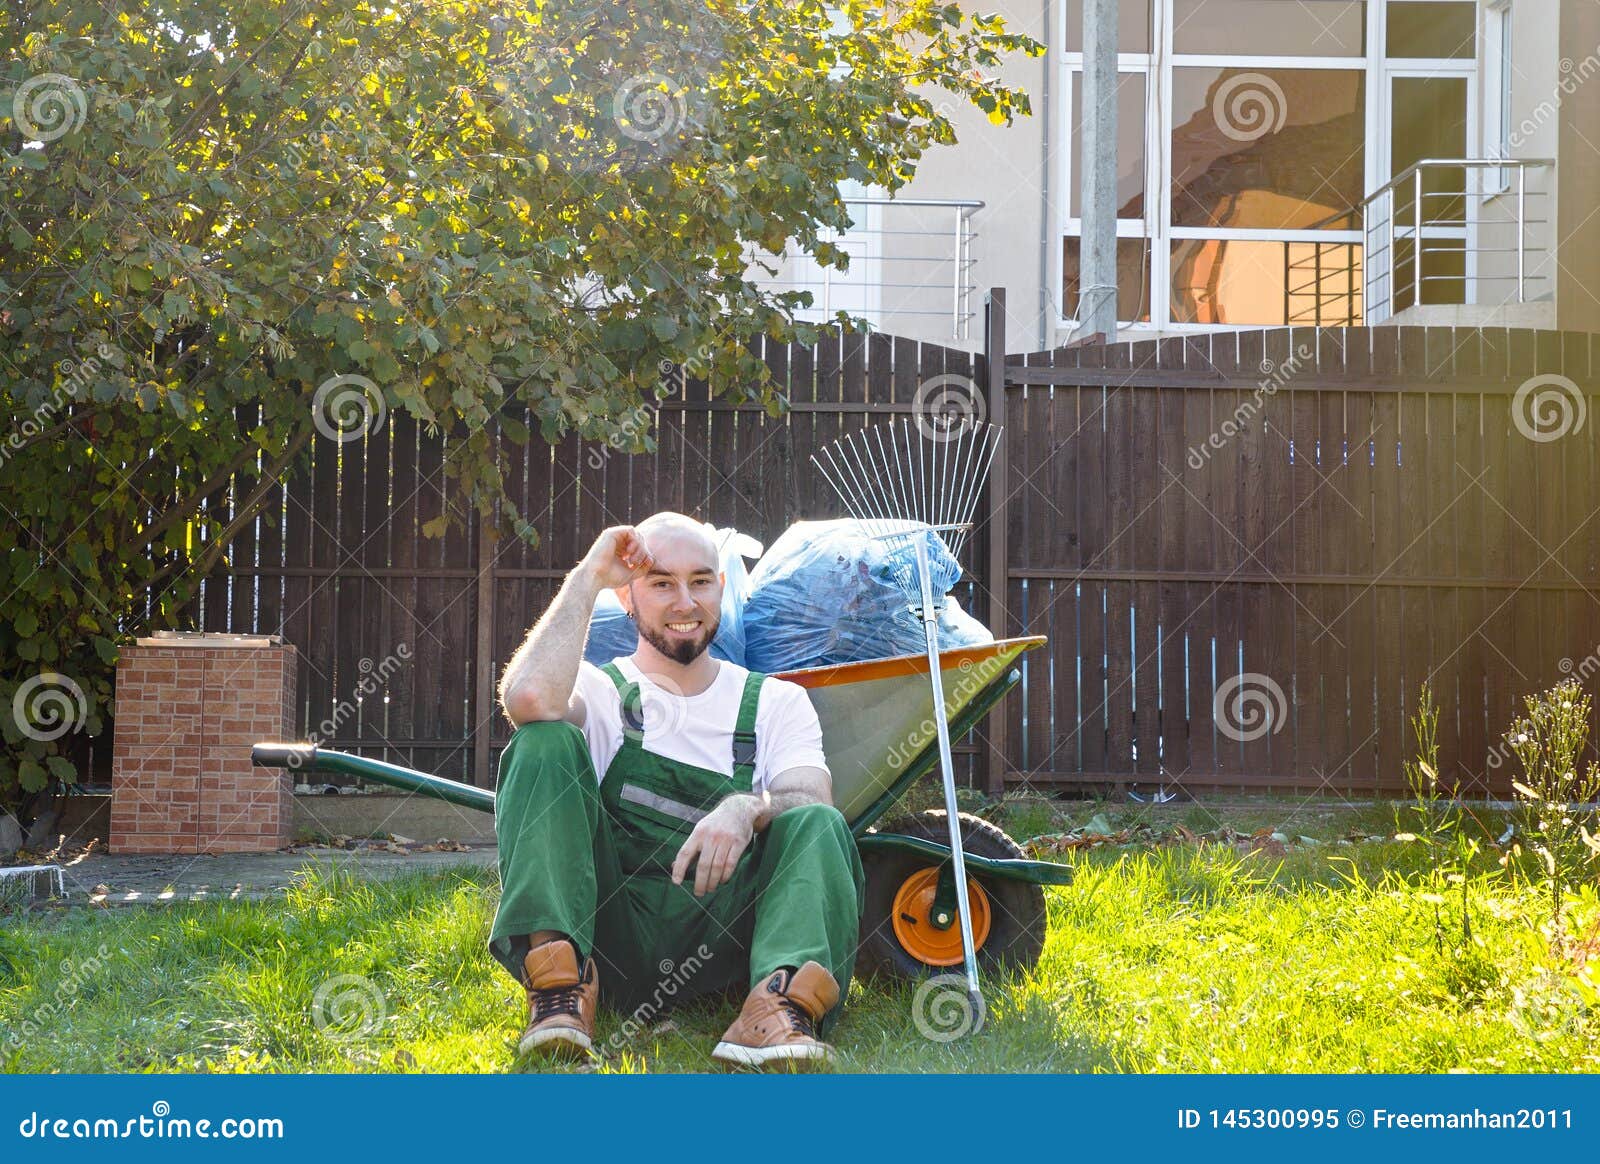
[(186, 715)]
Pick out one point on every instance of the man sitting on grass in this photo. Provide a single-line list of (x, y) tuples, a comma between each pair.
[(667, 818)]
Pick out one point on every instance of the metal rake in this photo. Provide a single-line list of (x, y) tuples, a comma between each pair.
[(918, 489)]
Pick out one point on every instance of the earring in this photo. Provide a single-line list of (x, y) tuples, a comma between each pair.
[(629, 613)]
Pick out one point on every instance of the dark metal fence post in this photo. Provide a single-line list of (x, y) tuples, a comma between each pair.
[(997, 762), (483, 702)]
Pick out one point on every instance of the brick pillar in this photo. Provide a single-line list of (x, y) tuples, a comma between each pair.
[(188, 707)]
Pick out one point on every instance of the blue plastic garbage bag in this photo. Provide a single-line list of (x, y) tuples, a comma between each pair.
[(612, 633), (827, 592)]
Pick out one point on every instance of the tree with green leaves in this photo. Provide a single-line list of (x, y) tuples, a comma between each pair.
[(226, 226)]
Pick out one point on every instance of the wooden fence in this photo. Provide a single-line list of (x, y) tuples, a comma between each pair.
[(349, 578), (1250, 549), (1307, 523)]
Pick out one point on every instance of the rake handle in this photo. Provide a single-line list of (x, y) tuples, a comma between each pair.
[(958, 857)]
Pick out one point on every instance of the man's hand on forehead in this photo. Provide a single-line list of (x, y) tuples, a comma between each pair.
[(618, 556)]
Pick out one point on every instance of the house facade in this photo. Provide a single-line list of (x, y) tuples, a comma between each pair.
[(1332, 162)]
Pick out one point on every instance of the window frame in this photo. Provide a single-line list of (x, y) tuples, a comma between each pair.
[(1498, 34), (1156, 226)]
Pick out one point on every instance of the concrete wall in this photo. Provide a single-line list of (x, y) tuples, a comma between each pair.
[(1012, 171), (1534, 124), (1578, 173)]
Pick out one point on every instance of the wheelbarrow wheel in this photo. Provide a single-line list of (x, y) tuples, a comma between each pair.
[(898, 935)]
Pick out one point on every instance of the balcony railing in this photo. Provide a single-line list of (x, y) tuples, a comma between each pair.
[(1322, 280), (1471, 231), (911, 263)]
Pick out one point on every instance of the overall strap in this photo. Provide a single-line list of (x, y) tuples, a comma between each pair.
[(744, 730), (632, 701)]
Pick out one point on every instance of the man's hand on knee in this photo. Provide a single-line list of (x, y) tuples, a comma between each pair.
[(717, 843)]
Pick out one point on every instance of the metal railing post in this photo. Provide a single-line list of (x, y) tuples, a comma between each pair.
[(1389, 293), (955, 301), (1316, 285), (1416, 245), (1522, 225)]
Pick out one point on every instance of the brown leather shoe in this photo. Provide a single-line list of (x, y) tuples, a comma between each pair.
[(778, 1022), (561, 1003)]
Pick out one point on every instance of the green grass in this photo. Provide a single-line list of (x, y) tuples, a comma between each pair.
[(1171, 958)]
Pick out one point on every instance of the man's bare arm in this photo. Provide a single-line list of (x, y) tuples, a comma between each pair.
[(789, 789), (538, 680), (792, 788), (714, 847)]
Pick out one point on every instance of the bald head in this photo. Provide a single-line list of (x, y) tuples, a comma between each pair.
[(680, 531)]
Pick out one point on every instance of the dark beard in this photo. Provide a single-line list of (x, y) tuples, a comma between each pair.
[(682, 652)]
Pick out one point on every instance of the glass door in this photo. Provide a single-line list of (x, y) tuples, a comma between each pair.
[(1429, 76), (1428, 121)]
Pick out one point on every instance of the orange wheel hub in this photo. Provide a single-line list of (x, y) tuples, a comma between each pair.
[(911, 916)]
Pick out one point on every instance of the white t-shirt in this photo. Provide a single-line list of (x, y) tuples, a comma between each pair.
[(698, 729)]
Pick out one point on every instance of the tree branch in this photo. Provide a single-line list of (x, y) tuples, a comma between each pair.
[(246, 513), (152, 533)]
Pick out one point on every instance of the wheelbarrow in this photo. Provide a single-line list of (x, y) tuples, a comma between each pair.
[(879, 736)]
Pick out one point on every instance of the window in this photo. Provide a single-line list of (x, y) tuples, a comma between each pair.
[(1429, 29), (1133, 278), (1272, 28), (1267, 149), (1497, 93), (1130, 144), (1250, 133), (1265, 284), (1133, 26)]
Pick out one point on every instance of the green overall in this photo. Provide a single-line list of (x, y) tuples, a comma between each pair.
[(592, 859)]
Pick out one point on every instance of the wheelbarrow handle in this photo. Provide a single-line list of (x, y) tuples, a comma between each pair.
[(291, 755), (309, 757)]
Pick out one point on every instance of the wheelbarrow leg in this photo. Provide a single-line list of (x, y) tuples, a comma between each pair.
[(930, 628)]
